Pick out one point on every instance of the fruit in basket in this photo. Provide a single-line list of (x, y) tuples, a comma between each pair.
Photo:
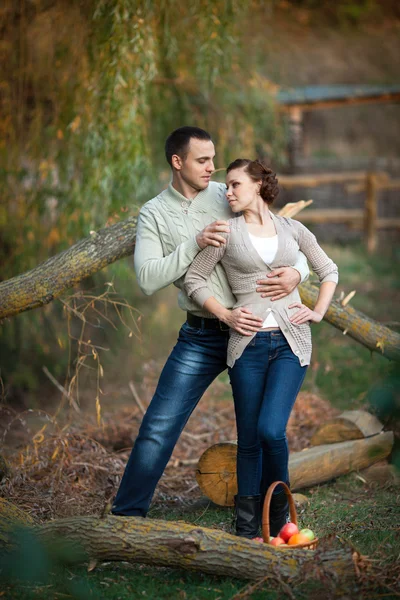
[(310, 534), (287, 531), (298, 538), (277, 541), (258, 539)]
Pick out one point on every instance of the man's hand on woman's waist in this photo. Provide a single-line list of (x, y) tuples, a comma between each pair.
[(278, 283)]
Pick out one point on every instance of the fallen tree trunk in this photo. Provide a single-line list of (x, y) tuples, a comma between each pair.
[(371, 334), (11, 516), (56, 275), (216, 471), (185, 546), (350, 425)]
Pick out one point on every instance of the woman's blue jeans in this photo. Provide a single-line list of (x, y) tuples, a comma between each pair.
[(198, 357), (265, 382)]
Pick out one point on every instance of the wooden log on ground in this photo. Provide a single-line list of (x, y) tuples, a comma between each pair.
[(350, 425), (59, 273), (322, 463), (216, 470), (11, 516), (216, 473), (185, 546)]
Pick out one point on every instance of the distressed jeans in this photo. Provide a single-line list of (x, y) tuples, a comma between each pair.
[(198, 357), (265, 382)]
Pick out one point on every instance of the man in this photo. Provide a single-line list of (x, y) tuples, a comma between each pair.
[(172, 228)]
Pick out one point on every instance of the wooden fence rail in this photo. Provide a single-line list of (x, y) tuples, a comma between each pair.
[(357, 181)]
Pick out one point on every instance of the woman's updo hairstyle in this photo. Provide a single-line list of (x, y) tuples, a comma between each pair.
[(258, 172)]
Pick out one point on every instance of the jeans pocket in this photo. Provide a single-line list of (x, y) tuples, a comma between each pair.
[(189, 330)]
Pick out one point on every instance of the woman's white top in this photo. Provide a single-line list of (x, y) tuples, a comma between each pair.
[(266, 248)]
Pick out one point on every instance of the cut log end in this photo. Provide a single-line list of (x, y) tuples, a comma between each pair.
[(216, 473)]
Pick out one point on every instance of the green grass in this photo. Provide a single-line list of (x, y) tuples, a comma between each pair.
[(364, 516)]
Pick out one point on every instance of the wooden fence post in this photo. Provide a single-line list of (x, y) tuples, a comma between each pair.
[(371, 212), (295, 137)]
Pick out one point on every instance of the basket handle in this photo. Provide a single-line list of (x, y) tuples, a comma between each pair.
[(267, 502)]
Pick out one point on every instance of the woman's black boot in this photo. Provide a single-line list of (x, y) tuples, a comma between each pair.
[(278, 512), (247, 516)]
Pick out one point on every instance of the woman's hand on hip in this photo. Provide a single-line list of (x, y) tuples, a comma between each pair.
[(243, 321), (304, 314)]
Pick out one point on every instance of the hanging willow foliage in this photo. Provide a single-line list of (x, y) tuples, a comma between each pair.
[(89, 91)]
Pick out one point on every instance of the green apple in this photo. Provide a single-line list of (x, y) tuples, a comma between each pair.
[(308, 533)]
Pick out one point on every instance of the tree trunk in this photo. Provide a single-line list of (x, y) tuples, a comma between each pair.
[(350, 425), (185, 546), (355, 324), (11, 516), (56, 275), (216, 470), (59, 273)]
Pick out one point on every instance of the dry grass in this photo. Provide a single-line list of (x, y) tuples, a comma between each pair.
[(74, 468)]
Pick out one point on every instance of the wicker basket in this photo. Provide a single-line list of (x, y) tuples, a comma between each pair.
[(293, 517)]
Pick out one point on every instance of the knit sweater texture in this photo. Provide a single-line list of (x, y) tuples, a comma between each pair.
[(244, 266), (166, 244)]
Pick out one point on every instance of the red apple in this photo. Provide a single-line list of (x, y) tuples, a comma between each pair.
[(277, 541), (287, 531), (308, 533)]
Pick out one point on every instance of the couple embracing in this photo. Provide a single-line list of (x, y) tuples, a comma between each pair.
[(238, 267)]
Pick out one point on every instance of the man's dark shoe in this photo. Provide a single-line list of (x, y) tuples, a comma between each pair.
[(247, 510), (278, 512)]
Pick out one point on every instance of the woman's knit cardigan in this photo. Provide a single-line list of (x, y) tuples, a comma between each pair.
[(244, 266)]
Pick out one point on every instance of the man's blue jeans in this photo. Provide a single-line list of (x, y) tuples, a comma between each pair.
[(196, 360), (265, 382)]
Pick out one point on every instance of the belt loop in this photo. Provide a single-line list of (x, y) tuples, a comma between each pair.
[(202, 323)]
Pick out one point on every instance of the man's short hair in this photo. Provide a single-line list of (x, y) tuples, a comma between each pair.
[(178, 141)]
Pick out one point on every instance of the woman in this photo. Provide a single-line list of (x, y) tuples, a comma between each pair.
[(267, 365)]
